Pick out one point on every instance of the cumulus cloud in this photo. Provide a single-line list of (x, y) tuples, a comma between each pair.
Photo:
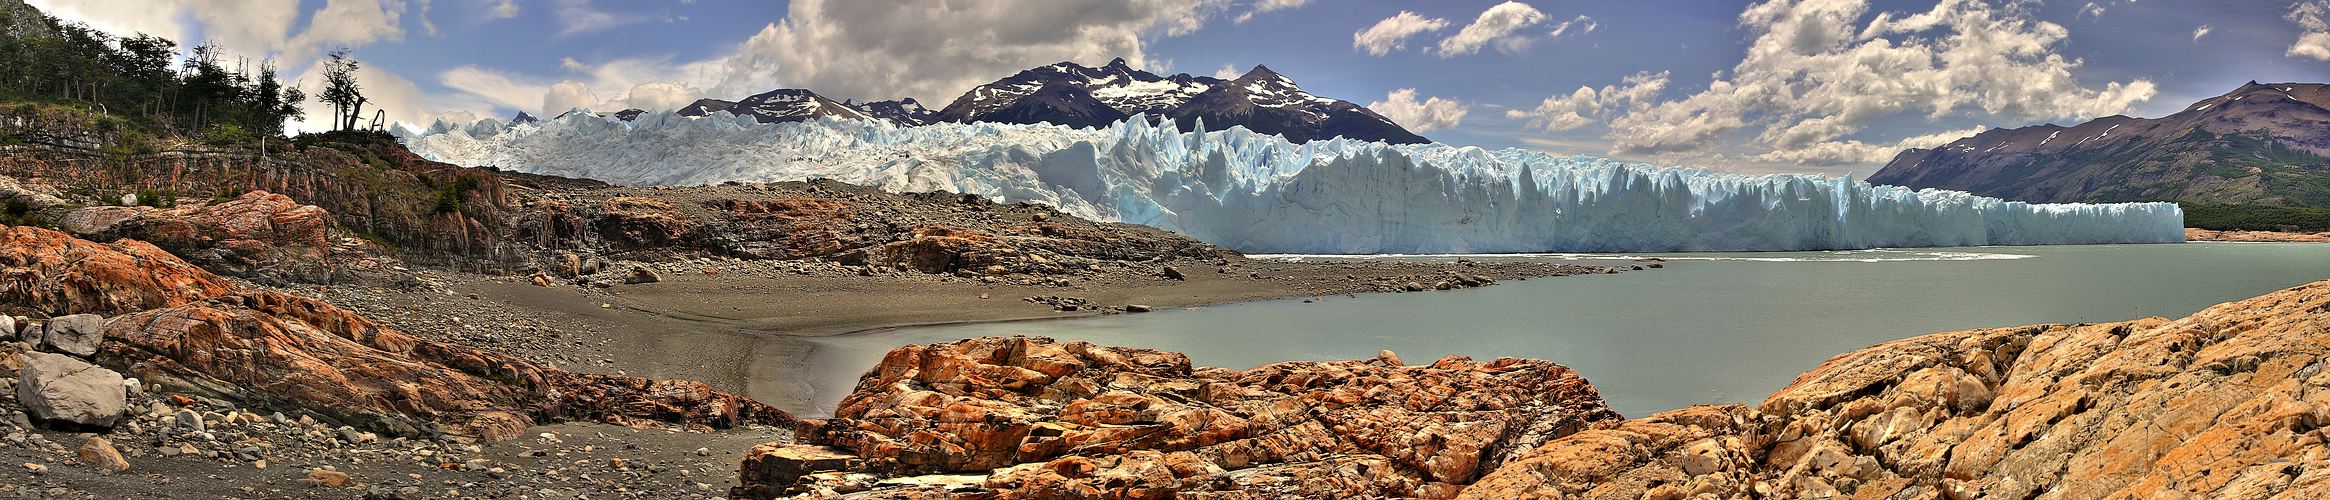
[(504, 10), (1432, 113), (567, 95), (1228, 72), (660, 96), (1495, 25), (1393, 33), (1815, 73), (347, 23), (1267, 6), (1587, 104), (247, 27), (2313, 17), (2199, 32), (934, 49), (1851, 152)]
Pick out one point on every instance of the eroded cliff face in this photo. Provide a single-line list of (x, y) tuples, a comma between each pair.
[(179, 327), (2226, 403), (1035, 418)]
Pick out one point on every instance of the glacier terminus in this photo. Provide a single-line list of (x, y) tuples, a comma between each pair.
[(1260, 193)]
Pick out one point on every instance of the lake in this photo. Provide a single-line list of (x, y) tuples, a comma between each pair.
[(1708, 328)]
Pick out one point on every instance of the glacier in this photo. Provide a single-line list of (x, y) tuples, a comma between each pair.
[(1259, 193)]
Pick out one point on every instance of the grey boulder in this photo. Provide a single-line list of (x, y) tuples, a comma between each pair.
[(77, 335), (59, 388)]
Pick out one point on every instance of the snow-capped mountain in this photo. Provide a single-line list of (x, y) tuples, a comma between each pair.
[(777, 106), (1262, 193), (1264, 101), (904, 112), (523, 119)]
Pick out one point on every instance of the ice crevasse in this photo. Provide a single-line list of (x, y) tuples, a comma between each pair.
[(1259, 193)]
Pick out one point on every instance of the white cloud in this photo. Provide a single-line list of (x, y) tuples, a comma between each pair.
[(577, 17), (386, 91), (1495, 25), (2091, 10), (495, 86), (660, 96), (1228, 72), (1856, 152), (1392, 33), (567, 95), (1432, 113), (427, 26), (247, 27), (1814, 74), (936, 49), (1579, 26), (160, 19), (2199, 32), (1267, 6), (347, 23), (546, 98), (1587, 104), (504, 10), (2313, 17)]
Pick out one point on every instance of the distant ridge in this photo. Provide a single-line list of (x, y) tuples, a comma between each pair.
[(2260, 144)]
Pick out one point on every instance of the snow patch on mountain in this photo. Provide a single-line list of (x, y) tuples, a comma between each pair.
[(1262, 193)]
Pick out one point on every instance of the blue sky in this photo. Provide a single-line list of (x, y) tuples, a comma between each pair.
[(1824, 86)]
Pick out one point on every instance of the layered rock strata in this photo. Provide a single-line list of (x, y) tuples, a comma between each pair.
[(1044, 418), (176, 326)]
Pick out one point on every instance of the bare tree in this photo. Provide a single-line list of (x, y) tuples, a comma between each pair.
[(341, 90)]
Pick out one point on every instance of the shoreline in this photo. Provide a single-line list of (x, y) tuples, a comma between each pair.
[(2198, 234), (751, 328)]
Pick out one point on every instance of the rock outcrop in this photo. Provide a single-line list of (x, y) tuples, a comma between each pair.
[(258, 235), (178, 327), (831, 221), (1041, 418), (2219, 404)]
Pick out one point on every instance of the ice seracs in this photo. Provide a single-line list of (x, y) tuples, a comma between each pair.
[(1261, 193)]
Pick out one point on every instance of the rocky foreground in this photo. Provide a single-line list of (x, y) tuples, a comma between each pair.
[(2220, 404)]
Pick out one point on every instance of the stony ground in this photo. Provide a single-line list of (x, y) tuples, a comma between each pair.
[(180, 447)]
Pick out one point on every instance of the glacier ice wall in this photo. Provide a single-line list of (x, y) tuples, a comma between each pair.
[(1259, 193)]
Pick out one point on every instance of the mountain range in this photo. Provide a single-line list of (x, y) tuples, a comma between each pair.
[(2261, 144), (1078, 96)]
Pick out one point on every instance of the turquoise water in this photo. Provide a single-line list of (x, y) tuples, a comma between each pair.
[(1709, 328)]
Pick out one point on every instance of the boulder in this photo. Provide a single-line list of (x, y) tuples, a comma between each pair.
[(59, 388), (1043, 418), (77, 334), (641, 274), (772, 469), (97, 452)]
